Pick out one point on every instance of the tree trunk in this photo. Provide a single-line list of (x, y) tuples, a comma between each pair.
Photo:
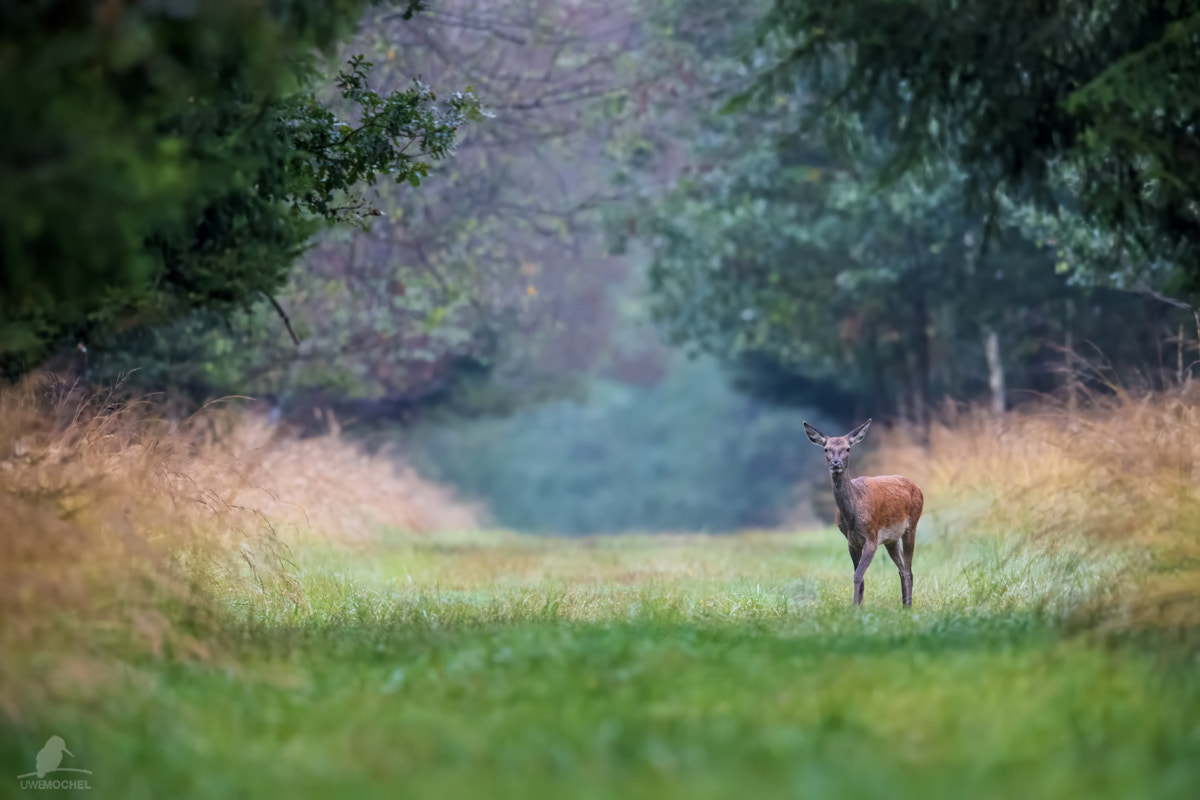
[(921, 377), (1179, 359), (991, 349), (1069, 369), (1196, 316), (902, 402), (880, 398)]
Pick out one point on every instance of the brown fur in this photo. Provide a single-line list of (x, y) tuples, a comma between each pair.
[(884, 500), (872, 511)]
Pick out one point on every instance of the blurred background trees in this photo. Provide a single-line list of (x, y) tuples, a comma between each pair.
[(1089, 106), (846, 210), (803, 248), (165, 157)]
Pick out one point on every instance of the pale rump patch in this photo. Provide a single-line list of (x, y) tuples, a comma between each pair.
[(892, 533)]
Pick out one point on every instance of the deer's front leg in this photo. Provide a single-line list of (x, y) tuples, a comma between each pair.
[(855, 555), (860, 570)]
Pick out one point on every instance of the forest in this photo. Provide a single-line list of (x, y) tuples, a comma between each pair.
[(409, 396)]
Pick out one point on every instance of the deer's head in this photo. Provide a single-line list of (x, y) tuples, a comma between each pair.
[(837, 448)]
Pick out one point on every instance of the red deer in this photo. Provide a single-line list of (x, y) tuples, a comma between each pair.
[(871, 511)]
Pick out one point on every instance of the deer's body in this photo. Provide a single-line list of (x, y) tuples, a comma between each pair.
[(880, 509), (872, 511)]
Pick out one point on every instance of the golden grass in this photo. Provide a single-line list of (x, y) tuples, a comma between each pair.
[(325, 487), (124, 523), (1116, 468)]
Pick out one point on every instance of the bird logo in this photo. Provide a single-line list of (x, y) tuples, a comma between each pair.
[(50, 757)]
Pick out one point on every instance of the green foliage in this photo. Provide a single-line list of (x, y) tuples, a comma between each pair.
[(828, 282), (491, 275), (164, 157), (1019, 93), (331, 156), (685, 453), (1087, 252)]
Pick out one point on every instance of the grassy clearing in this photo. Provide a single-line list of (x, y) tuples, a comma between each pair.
[(500, 665), (188, 634)]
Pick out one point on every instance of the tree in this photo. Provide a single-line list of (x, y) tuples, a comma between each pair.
[(781, 252), (488, 288), (1094, 107), (158, 158), (494, 264)]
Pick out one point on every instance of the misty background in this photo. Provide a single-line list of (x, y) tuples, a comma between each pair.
[(611, 306)]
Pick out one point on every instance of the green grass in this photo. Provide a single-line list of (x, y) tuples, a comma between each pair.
[(493, 665)]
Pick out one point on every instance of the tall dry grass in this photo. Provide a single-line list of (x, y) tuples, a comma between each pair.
[(1113, 469), (118, 522)]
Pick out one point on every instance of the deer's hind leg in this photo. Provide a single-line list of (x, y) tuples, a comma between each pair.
[(900, 558), (909, 543)]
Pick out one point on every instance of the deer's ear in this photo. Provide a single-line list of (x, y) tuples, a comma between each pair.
[(858, 434), (814, 435)]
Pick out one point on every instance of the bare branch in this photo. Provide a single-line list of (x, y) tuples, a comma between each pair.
[(283, 315)]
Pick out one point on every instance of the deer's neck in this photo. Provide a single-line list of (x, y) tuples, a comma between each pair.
[(845, 494)]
